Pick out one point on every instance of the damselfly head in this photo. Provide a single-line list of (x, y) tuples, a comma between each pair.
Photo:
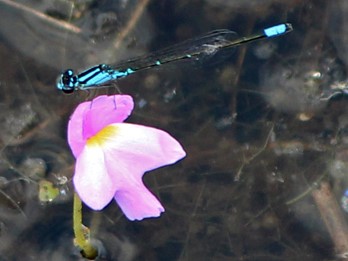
[(66, 82)]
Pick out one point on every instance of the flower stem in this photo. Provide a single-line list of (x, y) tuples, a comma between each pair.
[(82, 239)]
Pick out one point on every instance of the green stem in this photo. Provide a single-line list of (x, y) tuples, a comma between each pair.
[(81, 232)]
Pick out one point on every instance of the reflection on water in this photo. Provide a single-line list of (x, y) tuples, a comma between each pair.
[(263, 128), (306, 82), (90, 41)]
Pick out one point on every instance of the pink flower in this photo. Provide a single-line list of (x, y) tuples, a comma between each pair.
[(112, 156)]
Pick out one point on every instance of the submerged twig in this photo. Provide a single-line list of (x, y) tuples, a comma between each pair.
[(331, 214), (47, 18), (132, 22)]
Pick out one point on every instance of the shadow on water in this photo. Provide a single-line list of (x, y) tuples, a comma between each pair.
[(263, 127)]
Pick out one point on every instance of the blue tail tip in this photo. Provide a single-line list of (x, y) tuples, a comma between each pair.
[(278, 30)]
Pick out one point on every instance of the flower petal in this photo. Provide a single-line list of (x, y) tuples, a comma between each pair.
[(142, 148), (75, 136), (138, 203), (91, 180), (90, 117), (106, 110), (135, 200), (129, 151)]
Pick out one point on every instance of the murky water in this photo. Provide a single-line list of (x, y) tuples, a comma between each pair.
[(263, 126)]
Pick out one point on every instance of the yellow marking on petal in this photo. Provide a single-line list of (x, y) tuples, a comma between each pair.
[(102, 136)]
